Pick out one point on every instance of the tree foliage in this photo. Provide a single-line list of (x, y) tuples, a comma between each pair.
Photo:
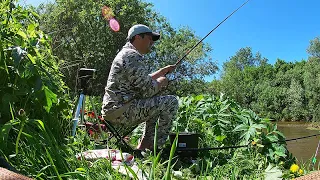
[(241, 74), (314, 48), (82, 38), (283, 91)]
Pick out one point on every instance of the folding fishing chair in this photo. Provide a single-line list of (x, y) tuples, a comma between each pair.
[(118, 133)]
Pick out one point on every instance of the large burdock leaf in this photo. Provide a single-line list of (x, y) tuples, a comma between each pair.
[(50, 98)]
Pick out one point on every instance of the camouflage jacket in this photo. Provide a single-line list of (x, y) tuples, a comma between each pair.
[(128, 79)]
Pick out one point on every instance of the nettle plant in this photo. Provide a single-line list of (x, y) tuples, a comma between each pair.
[(222, 122), (30, 79)]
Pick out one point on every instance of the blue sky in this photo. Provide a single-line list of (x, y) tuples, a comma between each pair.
[(276, 28)]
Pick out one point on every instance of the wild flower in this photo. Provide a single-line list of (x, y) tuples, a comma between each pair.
[(294, 168), (300, 171)]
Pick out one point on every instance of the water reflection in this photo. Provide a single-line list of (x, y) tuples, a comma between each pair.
[(302, 149)]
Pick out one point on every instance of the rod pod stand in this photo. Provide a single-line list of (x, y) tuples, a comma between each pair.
[(84, 76)]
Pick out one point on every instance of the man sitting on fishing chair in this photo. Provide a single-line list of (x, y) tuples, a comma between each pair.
[(131, 93)]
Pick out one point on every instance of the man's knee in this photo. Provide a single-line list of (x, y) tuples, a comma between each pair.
[(171, 103), (175, 101)]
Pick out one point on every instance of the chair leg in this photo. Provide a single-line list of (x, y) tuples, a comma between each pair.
[(123, 145)]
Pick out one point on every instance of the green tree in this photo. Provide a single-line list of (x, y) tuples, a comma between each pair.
[(314, 47), (192, 87), (295, 99), (311, 78), (240, 74), (215, 87), (283, 91), (82, 38)]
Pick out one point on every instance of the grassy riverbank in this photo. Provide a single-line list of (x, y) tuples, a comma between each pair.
[(34, 150), (36, 119)]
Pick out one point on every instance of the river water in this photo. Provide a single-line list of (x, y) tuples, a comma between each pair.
[(302, 149)]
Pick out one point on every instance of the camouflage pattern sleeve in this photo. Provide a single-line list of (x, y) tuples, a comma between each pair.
[(139, 77)]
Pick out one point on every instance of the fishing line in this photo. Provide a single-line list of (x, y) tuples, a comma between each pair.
[(210, 33), (178, 62), (242, 146), (314, 159)]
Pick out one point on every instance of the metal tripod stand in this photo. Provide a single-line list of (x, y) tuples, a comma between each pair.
[(78, 117), (84, 76)]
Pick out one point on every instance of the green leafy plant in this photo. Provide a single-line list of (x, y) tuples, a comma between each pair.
[(221, 122), (30, 79)]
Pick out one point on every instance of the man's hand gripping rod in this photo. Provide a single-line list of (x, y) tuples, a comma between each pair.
[(191, 49)]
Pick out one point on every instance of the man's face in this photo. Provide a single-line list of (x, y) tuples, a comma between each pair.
[(147, 43)]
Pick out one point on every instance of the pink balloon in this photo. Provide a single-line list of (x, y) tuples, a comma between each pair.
[(114, 24)]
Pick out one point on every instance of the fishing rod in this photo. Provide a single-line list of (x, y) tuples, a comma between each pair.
[(249, 144), (314, 159), (178, 62)]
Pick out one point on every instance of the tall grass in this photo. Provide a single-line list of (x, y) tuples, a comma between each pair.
[(34, 150), (41, 156)]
